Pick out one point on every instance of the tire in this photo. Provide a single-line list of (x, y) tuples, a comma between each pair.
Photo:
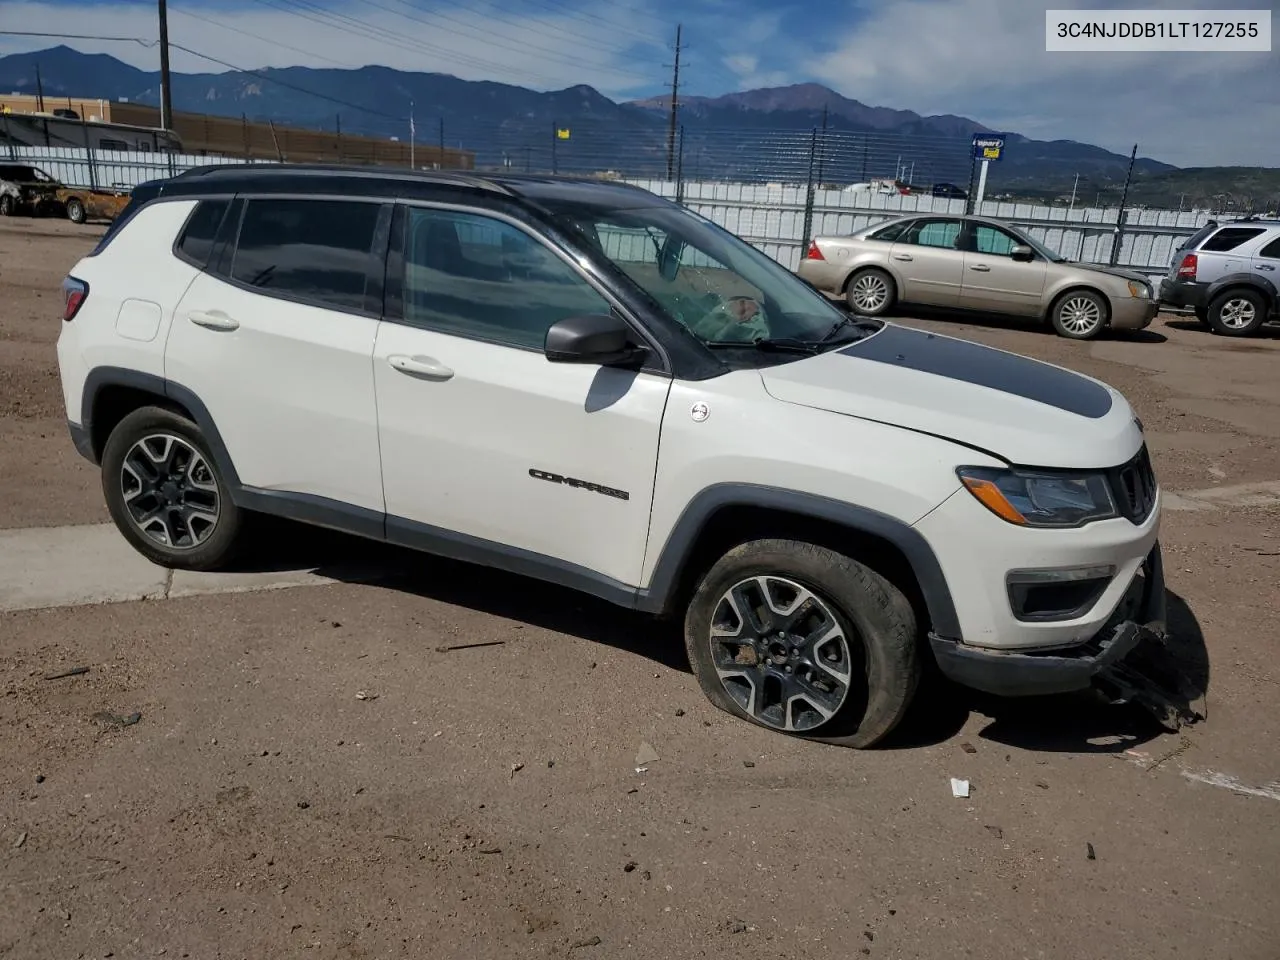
[(7, 206), (873, 632), (75, 211), (1080, 315), (1237, 313), (181, 535), (870, 293)]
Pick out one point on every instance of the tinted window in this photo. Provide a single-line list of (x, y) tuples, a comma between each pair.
[(479, 277), (990, 240), (1272, 250), (1228, 238), (933, 233), (196, 241), (312, 250)]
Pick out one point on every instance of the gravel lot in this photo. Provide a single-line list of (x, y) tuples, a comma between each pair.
[(312, 776)]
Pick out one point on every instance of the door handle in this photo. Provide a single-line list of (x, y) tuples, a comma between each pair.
[(902, 256), (1263, 266), (428, 368), (980, 267), (213, 320)]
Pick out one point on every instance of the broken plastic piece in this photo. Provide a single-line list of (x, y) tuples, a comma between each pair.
[(959, 788)]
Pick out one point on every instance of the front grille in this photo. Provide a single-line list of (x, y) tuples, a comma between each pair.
[(1134, 487)]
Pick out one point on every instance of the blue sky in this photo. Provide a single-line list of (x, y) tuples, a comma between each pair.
[(983, 59)]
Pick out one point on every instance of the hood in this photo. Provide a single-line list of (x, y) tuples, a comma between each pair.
[(1023, 411), (1113, 271)]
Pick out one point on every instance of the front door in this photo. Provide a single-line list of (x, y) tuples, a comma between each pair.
[(277, 341), (481, 435), (993, 280), (927, 259)]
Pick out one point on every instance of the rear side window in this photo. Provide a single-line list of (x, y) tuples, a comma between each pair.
[(316, 251), (1229, 238), (196, 242), (1272, 250), (889, 233)]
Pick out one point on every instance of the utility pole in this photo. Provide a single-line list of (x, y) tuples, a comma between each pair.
[(1124, 196), (412, 137), (39, 91), (675, 106), (440, 165), (823, 155), (166, 92)]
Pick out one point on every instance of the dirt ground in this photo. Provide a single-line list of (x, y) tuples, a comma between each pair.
[(312, 776)]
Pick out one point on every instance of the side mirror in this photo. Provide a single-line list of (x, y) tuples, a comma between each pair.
[(669, 259), (593, 338), (1022, 253)]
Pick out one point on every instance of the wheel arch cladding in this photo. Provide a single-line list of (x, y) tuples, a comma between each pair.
[(112, 393), (1250, 281), (724, 515)]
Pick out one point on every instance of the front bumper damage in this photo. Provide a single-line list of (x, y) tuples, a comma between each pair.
[(1125, 662)]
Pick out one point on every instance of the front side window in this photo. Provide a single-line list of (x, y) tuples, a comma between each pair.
[(993, 241), (720, 288), (316, 251), (932, 233), (476, 276)]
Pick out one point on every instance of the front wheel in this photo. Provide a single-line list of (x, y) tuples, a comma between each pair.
[(1079, 315), (870, 293), (166, 494), (805, 641), (1237, 313)]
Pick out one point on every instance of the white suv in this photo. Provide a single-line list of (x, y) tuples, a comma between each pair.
[(587, 384)]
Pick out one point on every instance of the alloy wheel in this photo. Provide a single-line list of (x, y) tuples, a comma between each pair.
[(870, 293), (781, 653), (170, 491), (1080, 315), (1237, 313)]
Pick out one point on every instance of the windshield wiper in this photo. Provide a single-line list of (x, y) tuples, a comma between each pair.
[(767, 344), (858, 323)]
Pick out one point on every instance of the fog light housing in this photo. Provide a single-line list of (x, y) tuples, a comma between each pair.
[(1047, 596)]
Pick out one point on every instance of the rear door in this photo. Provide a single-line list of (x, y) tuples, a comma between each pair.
[(1226, 252), (993, 280), (929, 261), (276, 339), (1266, 262)]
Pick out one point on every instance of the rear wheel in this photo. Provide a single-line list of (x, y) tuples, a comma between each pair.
[(75, 211), (7, 206), (1079, 315), (805, 641), (165, 493), (1237, 313), (871, 292)]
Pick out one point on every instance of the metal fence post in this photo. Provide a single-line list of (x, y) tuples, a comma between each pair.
[(1118, 236), (680, 168), (88, 153), (808, 195), (8, 135)]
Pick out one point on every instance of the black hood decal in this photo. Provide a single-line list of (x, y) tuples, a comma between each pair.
[(984, 367)]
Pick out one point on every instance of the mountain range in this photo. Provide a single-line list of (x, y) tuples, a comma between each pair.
[(763, 134)]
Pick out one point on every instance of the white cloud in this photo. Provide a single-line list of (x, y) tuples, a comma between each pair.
[(985, 59), (536, 48)]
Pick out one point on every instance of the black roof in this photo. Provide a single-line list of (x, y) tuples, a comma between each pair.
[(335, 178)]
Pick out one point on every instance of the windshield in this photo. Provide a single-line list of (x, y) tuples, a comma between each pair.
[(720, 288)]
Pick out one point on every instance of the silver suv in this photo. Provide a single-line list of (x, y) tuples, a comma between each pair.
[(1229, 273)]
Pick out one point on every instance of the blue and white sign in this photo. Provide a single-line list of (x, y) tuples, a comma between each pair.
[(988, 146)]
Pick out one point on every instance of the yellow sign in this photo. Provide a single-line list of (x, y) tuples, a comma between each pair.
[(562, 133), (990, 153)]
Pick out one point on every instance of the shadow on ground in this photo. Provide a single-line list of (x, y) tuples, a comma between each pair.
[(1018, 324), (1267, 333), (1073, 723)]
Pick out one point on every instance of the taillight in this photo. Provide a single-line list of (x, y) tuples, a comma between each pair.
[(814, 253), (74, 294), (1187, 268)]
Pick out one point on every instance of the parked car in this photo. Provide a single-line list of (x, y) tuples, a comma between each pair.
[(976, 264), (949, 191), (26, 189), (1229, 274), (81, 204), (590, 385)]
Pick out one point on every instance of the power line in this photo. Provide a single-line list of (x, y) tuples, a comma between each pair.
[(586, 17), (268, 40)]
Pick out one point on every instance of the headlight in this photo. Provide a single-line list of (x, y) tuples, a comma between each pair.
[(1033, 499), (1139, 289)]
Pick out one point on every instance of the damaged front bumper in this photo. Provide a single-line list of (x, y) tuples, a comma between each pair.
[(1139, 621)]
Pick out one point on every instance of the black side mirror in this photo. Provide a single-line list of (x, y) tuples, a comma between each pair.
[(1022, 253), (592, 338), (669, 258)]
